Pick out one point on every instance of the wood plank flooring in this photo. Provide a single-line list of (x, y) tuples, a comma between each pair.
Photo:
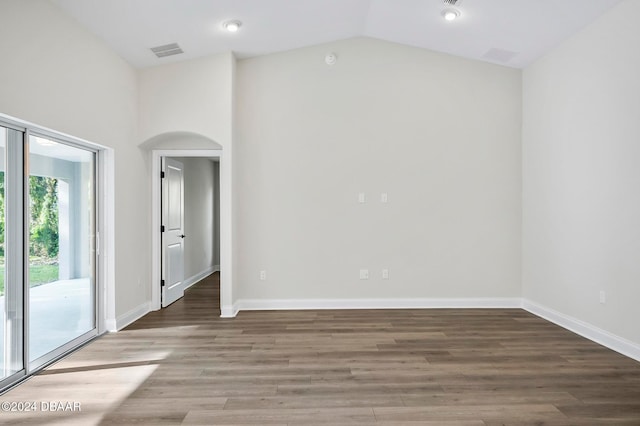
[(185, 365)]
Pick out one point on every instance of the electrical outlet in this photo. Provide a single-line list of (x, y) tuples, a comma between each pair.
[(361, 198), (384, 198), (364, 274), (385, 274), (603, 297), (263, 275)]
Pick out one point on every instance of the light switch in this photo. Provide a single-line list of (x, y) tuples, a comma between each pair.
[(384, 197), (361, 197)]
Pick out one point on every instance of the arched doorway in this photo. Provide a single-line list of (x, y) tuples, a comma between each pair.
[(190, 145)]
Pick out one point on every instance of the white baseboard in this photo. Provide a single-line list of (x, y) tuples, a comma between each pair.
[(595, 334), (128, 317), (301, 304), (216, 268), (199, 276), (229, 311), (609, 340), (111, 325)]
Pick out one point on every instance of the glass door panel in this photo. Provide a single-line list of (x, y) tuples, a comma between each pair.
[(61, 272), (11, 290)]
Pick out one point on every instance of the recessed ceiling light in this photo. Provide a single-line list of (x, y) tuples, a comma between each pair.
[(232, 26), (451, 14)]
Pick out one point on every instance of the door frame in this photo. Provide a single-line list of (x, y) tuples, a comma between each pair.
[(226, 310), (104, 176)]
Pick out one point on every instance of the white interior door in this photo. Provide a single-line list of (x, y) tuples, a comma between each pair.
[(173, 231)]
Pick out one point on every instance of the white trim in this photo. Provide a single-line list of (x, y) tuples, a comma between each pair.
[(226, 229), (111, 325), (203, 153), (229, 311), (215, 268), (584, 329), (301, 304), (156, 250), (106, 241), (225, 219), (198, 277), (128, 317), (47, 132)]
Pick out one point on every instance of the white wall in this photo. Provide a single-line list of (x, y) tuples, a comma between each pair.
[(190, 105), (190, 96), (581, 138), (439, 134), (199, 204), (55, 74)]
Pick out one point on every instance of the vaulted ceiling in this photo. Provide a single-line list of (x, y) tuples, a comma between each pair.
[(507, 32)]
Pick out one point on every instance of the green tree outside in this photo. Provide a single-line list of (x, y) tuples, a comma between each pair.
[(43, 230), (43, 227)]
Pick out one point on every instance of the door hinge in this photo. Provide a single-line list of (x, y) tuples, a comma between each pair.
[(161, 283), (162, 228), (162, 175)]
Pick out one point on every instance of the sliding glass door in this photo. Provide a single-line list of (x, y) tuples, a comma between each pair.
[(61, 252), (11, 290), (48, 297)]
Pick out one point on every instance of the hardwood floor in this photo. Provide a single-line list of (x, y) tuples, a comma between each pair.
[(185, 365)]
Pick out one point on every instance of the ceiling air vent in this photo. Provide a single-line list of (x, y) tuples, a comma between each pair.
[(499, 55), (452, 2), (167, 50)]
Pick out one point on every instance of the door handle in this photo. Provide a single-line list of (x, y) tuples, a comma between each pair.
[(182, 236)]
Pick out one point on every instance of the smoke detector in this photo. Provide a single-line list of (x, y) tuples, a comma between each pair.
[(331, 58)]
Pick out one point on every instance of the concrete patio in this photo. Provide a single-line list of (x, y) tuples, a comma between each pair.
[(60, 311)]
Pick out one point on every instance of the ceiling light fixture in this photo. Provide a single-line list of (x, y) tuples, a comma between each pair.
[(232, 26), (451, 14)]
